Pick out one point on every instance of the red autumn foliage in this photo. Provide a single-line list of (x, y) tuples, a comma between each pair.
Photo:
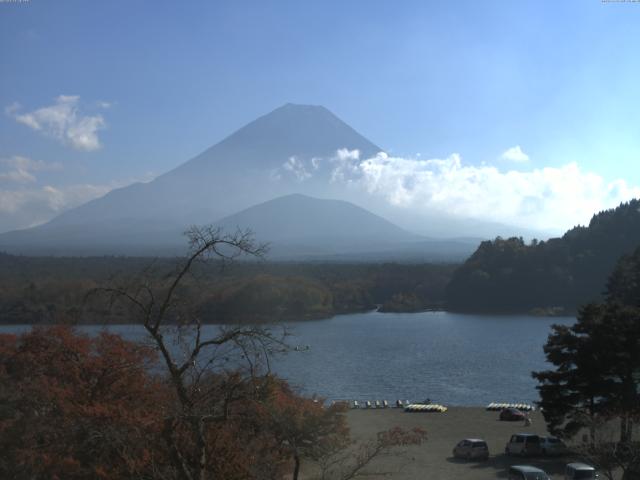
[(240, 445), (80, 407), (304, 427), (77, 407)]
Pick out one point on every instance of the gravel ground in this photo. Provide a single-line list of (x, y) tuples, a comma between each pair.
[(433, 460)]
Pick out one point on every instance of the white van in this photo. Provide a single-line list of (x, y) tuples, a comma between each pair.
[(579, 471), (523, 444)]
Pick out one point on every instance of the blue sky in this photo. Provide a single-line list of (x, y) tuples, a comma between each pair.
[(151, 84)]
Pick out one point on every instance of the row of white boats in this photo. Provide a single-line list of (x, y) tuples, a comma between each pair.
[(408, 407), (376, 404), (524, 407), (421, 407), (435, 407)]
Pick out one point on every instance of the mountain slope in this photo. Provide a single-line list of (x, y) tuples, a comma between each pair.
[(298, 224), (248, 167), (299, 217), (557, 275), (231, 174)]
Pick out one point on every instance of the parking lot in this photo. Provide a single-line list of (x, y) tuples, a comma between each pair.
[(433, 459)]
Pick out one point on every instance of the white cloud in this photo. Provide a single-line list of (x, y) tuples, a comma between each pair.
[(48, 200), (542, 198), (515, 154), (28, 207), (64, 122), (297, 168), (32, 205), (20, 169), (347, 165), (25, 163), (340, 167), (344, 154), (18, 176), (59, 199)]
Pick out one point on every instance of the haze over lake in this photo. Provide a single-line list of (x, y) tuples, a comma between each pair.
[(450, 358)]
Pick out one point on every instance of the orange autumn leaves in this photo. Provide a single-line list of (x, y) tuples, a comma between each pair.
[(76, 407), (80, 407)]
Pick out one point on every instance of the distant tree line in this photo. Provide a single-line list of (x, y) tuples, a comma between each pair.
[(554, 276), (53, 290)]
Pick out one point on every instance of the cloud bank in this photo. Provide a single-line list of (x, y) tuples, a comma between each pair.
[(551, 198), (28, 207), (19, 169), (64, 122), (26, 202)]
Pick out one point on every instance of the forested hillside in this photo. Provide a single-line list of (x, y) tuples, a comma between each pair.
[(552, 277), (53, 290)]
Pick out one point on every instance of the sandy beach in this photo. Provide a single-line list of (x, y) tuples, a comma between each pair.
[(433, 460)]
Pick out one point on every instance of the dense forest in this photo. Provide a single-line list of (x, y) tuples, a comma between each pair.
[(547, 277), (502, 276), (54, 290)]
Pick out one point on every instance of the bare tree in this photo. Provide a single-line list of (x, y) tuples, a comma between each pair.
[(350, 463), (203, 362), (603, 449), (191, 351)]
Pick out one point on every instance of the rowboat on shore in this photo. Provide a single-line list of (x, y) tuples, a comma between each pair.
[(497, 406), (421, 407)]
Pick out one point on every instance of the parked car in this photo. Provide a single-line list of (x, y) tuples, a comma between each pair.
[(579, 471), (526, 472), (552, 446), (512, 415), (471, 448), (523, 444)]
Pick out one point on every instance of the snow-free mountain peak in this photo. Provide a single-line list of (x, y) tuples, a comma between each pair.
[(303, 219), (248, 167), (301, 131)]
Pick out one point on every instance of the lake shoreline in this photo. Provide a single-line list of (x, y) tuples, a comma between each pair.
[(317, 318)]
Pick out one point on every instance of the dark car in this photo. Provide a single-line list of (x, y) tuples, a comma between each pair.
[(512, 415)]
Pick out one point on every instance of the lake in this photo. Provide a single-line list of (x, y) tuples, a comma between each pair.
[(453, 359)]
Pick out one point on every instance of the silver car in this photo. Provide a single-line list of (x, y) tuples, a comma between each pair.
[(580, 471), (526, 472), (471, 448)]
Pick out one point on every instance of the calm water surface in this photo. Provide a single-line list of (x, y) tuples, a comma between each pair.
[(450, 358)]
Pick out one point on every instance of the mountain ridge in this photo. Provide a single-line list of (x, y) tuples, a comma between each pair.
[(282, 216), (557, 276), (299, 225)]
